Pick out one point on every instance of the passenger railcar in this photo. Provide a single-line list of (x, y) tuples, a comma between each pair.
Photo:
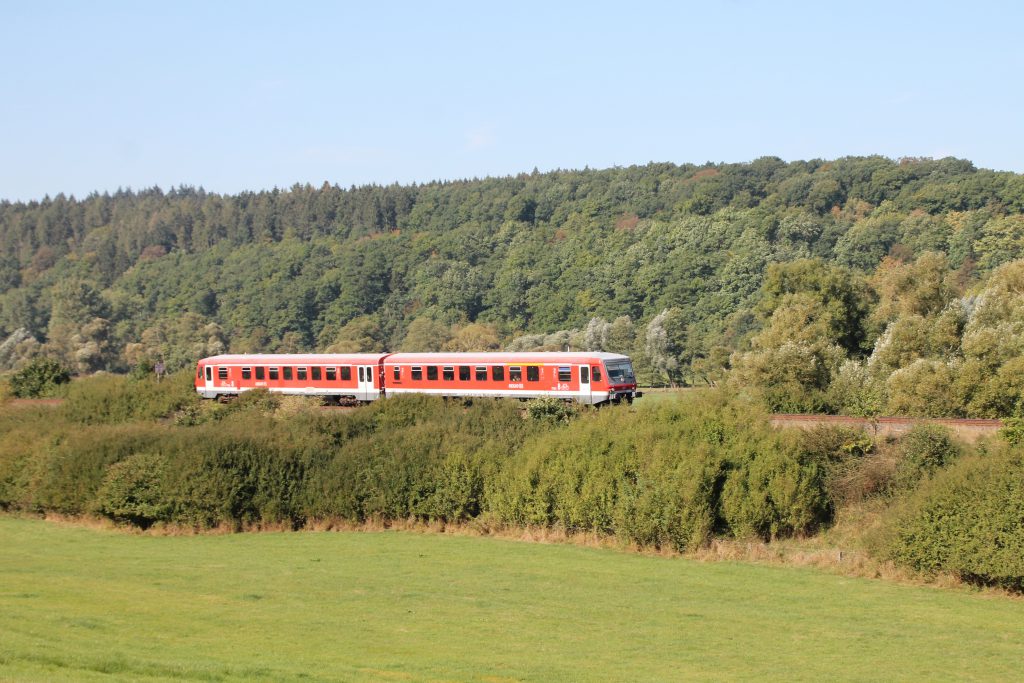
[(351, 377), (585, 377)]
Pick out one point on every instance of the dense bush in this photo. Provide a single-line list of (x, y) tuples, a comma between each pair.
[(855, 467), (237, 474), (774, 490), (414, 457), (109, 399), (133, 491), (551, 409), (567, 477), (70, 470), (257, 400), (26, 436), (458, 493), (922, 452), (1012, 431), (670, 475), (968, 520), (653, 476), (41, 377), (674, 504)]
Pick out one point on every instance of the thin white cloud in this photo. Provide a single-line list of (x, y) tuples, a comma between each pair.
[(481, 137)]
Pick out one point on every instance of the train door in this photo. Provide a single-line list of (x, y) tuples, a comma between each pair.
[(585, 384), (208, 380), (365, 390)]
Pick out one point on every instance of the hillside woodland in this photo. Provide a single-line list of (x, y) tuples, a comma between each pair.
[(859, 285)]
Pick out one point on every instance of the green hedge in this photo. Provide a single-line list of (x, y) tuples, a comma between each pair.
[(968, 520), (774, 490), (669, 474), (134, 491), (71, 469), (112, 399), (672, 475), (27, 435)]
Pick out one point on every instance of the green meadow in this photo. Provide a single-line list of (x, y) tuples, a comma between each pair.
[(81, 604)]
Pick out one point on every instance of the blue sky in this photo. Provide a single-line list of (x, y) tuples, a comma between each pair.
[(235, 96)]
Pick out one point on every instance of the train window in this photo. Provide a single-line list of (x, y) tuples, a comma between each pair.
[(331, 373), (515, 373), (417, 372), (481, 373), (300, 374), (498, 373), (532, 373), (199, 372), (273, 373), (597, 373), (397, 372), (464, 373), (222, 373), (346, 373), (431, 372), (260, 373), (314, 373), (564, 373), (448, 373), (287, 373), (209, 373), (362, 378), (584, 375), (246, 373)]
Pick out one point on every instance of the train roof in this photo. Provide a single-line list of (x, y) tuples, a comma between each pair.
[(451, 358), (293, 358), (528, 357)]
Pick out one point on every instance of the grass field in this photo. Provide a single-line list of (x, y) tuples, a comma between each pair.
[(81, 604)]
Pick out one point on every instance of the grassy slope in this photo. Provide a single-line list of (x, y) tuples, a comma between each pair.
[(79, 604)]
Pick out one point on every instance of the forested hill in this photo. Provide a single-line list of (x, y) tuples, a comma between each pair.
[(671, 263)]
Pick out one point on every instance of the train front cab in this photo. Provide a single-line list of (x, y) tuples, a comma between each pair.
[(620, 380)]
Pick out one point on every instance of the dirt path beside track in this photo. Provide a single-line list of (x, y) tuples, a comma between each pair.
[(33, 402), (967, 430)]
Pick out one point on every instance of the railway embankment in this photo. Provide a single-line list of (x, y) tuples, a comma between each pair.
[(968, 430)]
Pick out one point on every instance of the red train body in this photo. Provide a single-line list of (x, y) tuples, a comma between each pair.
[(586, 377)]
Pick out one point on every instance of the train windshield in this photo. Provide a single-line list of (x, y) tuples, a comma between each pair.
[(620, 372)]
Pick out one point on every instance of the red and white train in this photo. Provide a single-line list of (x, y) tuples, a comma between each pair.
[(585, 377)]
